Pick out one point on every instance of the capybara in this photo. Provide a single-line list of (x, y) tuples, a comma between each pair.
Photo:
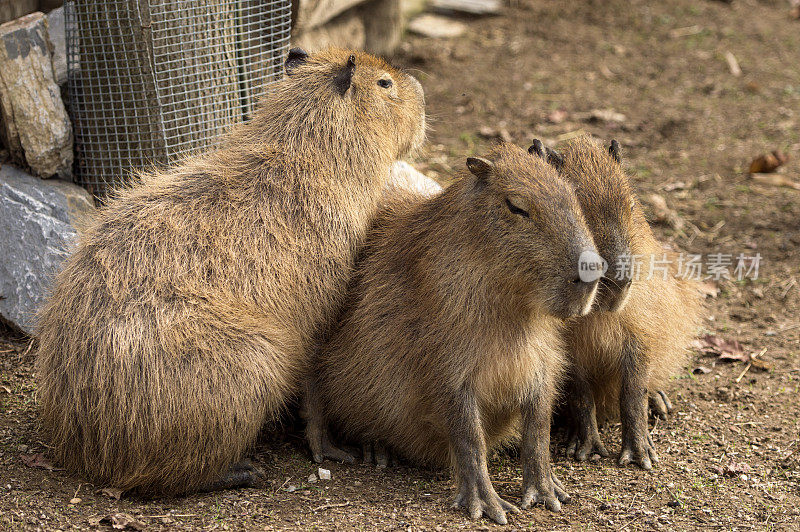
[(642, 321), (452, 331), (189, 309)]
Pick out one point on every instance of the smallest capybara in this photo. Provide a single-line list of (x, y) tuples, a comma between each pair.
[(453, 327), (643, 319)]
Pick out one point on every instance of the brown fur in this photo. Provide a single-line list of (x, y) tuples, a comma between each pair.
[(455, 300), (659, 315), (187, 313)]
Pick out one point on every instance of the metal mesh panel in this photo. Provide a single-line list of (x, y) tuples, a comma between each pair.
[(151, 80)]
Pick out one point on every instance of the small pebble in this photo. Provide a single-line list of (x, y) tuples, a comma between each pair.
[(75, 500), (312, 478), (324, 474)]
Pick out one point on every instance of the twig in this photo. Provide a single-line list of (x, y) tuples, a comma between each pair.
[(30, 344), (326, 506), (752, 357), (282, 485), (741, 375), (77, 490)]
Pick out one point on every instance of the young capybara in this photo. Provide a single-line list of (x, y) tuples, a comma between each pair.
[(188, 312), (453, 327), (642, 321)]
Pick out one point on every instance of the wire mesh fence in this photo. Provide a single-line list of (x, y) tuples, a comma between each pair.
[(151, 80)]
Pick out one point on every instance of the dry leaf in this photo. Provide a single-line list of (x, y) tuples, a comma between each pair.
[(662, 214), (113, 493), (39, 461), (763, 365), (734, 469), (677, 185), (118, 521), (492, 133), (708, 289), (776, 180), (724, 350), (767, 163), (557, 116)]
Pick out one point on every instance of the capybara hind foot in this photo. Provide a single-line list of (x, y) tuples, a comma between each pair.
[(322, 448), (240, 475), (330, 451), (377, 453), (638, 449), (660, 405), (551, 492), (480, 499), (585, 443)]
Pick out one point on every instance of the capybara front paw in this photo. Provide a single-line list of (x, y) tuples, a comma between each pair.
[(660, 405), (638, 450), (486, 502), (552, 494)]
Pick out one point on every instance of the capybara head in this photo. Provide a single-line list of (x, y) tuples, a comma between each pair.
[(611, 210), (533, 228), (335, 93)]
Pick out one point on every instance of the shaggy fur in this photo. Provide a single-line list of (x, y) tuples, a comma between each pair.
[(637, 335), (189, 309), (453, 327)]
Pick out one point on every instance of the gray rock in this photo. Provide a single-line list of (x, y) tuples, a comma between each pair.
[(55, 23), (405, 177), (38, 221)]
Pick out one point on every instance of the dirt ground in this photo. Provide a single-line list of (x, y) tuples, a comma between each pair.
[(730, 455)]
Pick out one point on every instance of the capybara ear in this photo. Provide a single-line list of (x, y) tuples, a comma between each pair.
[(480, 167), (344, 78), (614, 150), (296, 57), (537, 148), (555, 159)]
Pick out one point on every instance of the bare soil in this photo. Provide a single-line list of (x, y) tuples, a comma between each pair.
[(730, 455)]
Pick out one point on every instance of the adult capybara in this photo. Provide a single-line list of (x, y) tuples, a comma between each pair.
[(187, 313), (644, 317), (453, 327)]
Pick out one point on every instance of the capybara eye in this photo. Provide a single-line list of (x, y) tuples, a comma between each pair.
[(516, 210), (385, 83)]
